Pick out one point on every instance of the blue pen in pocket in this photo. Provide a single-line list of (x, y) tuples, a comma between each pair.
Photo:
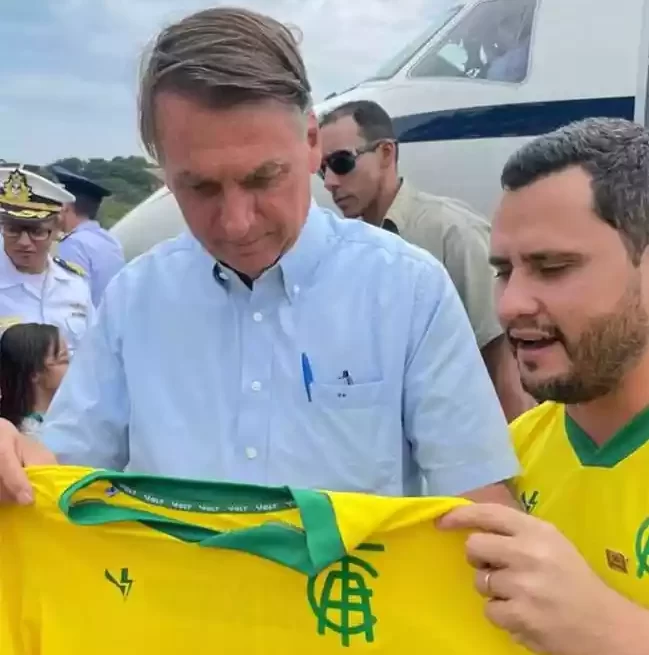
[(307, 375)]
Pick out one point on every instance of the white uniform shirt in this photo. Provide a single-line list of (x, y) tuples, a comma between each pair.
[(58, 297)]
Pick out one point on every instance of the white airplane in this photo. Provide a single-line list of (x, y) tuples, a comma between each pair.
[(484, 78)]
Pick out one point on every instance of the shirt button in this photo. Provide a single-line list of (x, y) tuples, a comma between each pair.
[(256, 386), (223, 276), (257, 317), (251, 453), (296, 289)]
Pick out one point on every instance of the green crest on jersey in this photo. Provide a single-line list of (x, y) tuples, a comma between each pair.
[(344, 605)]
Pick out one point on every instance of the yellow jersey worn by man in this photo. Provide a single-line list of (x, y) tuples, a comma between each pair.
[(598, 497), (117, 563)]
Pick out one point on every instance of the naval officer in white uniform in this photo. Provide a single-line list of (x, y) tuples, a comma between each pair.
[(34, 286)]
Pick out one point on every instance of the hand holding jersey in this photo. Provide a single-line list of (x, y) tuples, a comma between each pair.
[(17, 451), (540, 588)]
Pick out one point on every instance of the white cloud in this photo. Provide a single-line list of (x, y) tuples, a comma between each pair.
[(65, 90)]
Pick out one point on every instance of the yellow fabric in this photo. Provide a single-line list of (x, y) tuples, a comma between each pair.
[(123, 587), (602, 507)]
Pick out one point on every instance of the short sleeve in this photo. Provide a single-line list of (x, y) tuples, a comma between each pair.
[(73, 250), (452, 416)]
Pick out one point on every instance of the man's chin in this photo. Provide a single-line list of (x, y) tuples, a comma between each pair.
[(23, 259), (561, 389), (348, 210)]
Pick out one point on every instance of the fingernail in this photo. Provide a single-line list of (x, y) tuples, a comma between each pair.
[(25, 498)]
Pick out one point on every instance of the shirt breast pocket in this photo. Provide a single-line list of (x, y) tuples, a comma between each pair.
[(352, 420)]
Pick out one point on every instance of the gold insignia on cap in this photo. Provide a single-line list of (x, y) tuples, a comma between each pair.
[(18, 194), (16, 189)]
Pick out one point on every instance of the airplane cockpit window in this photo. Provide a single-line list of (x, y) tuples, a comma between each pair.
[(492, 42), (396, 63)]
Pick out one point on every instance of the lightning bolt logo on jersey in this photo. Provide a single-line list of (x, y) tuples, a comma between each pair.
[(124, 583), (597, 496), (175, 566)]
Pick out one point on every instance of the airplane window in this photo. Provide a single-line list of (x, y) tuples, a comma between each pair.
[(396, 63), (492, 42)]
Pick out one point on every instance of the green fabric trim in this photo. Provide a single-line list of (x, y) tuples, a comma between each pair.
[(623, 444), (309, 550)]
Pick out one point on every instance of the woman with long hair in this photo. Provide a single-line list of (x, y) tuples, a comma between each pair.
[(33, 361)]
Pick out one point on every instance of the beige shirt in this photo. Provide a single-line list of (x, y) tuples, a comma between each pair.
[(459, 238)]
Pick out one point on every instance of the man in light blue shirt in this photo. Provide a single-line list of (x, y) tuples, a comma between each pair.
[(241, 350)]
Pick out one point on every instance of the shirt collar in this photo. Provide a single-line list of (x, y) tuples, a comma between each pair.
[(87, 224), (298, 264), (399, 210)]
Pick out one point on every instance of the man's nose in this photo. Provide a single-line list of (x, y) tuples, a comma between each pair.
[(237, 214), (515, 297), (331, 180), (23, 239)]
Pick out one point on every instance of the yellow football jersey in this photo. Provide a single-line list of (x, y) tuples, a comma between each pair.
[(116, 563), (598, 497)]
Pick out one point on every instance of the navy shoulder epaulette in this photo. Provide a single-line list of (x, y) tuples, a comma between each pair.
[(71, 267)]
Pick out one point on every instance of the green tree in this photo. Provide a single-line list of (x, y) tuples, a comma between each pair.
[(130, 179)]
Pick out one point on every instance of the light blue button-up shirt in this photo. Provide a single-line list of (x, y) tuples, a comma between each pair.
[(187, 372), (97, 251)]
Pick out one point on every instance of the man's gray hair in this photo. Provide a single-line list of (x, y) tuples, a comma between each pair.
[(614, 152), (223, 57)]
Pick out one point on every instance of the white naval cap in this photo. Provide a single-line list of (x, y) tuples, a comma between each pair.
[(28, 197)]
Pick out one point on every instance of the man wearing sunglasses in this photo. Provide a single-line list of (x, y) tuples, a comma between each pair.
[(35, 287), (359, 169)]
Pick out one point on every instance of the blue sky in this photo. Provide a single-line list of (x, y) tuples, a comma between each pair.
[(68, 68)]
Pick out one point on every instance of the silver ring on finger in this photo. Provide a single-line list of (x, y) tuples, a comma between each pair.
[(487, 583)]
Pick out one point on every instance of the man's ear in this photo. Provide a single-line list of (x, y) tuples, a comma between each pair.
[(388, 150)]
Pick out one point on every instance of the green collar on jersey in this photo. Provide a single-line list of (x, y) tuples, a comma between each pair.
[(309, 549), (623, 444)]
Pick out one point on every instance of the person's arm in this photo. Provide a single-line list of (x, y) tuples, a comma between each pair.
[(452, 417), (87, 422), (466, 257), (540, 588)]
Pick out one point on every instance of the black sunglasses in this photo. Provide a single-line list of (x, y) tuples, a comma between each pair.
[(343, 162)]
